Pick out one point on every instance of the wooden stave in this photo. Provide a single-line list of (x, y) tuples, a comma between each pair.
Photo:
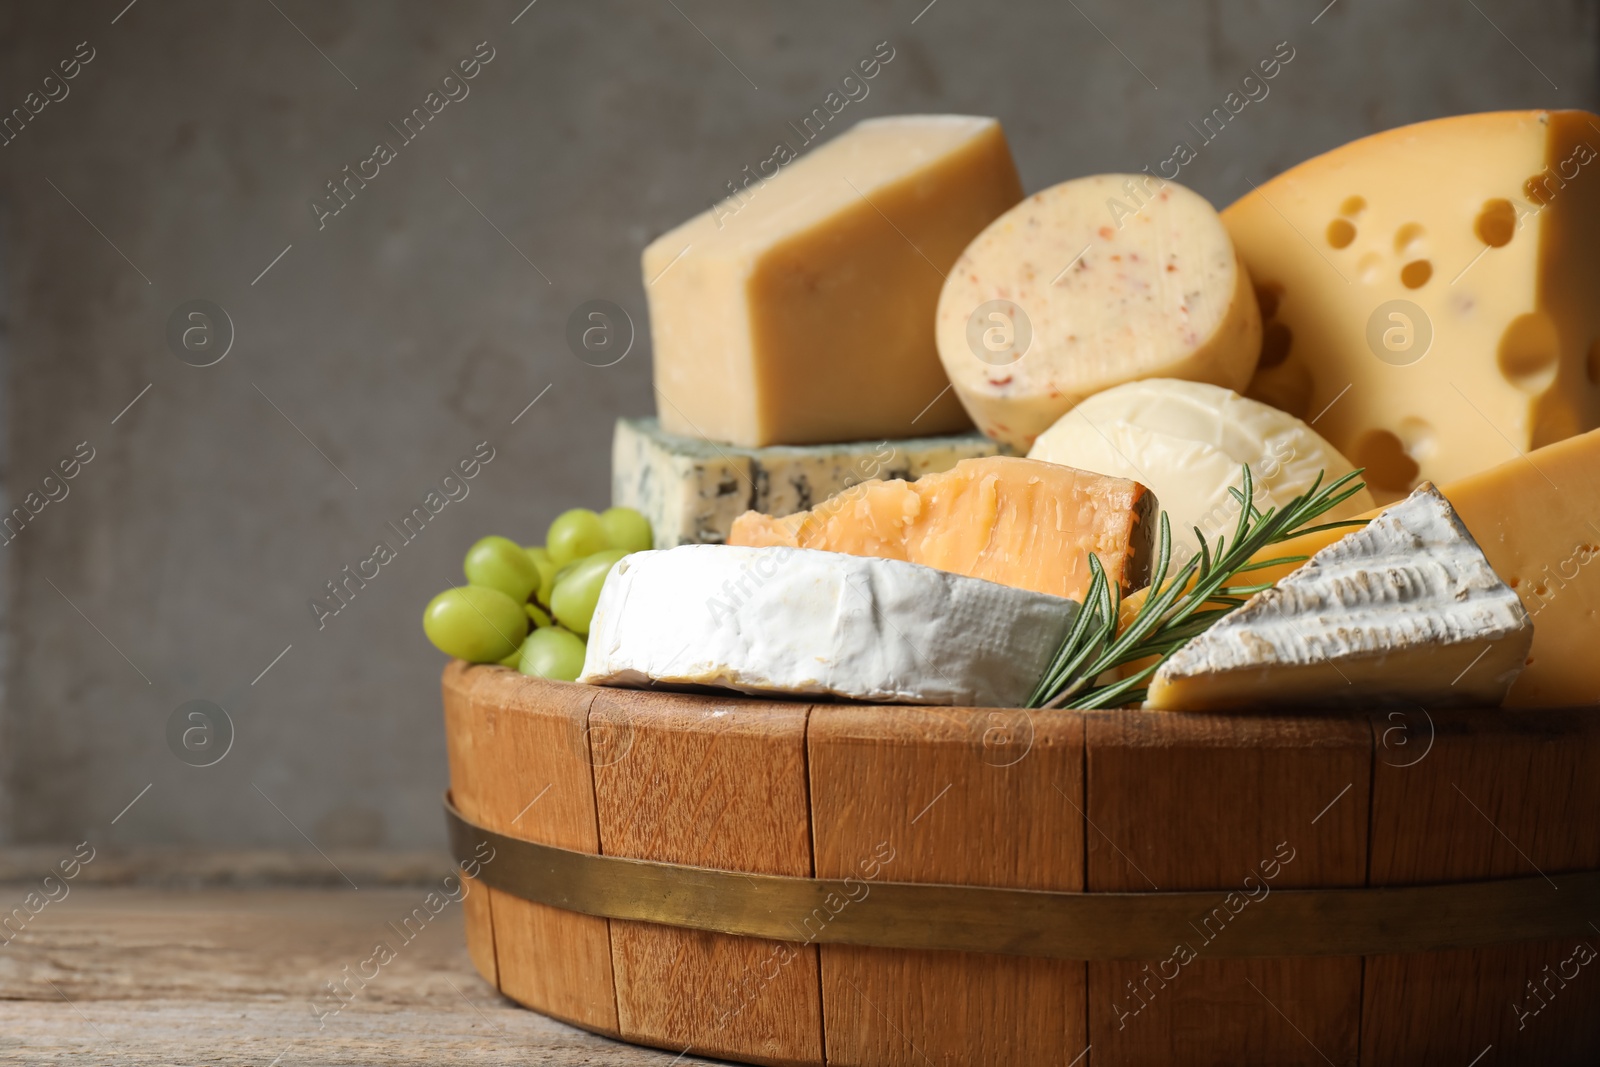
[(1301, 742)]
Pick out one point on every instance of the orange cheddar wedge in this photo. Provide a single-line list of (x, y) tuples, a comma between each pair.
[(1018, 522)]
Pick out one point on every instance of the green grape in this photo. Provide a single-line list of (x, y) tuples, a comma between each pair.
[(500, 563), (474, 623), (575, 534), (552, 652), (511, 660), (628, 529), (547, 572), (576, 595), (536, 613)]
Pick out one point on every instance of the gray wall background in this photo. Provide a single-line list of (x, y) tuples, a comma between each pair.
[(415, 324)]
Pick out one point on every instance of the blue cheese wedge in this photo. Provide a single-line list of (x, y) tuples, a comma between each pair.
[(1405, 610), (794, 621), (691, 490)]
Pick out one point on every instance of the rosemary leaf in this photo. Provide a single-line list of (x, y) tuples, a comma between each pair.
[(1176, 611)]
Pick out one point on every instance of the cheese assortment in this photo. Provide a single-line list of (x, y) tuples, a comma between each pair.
[(1015, 521), (691, 490), (1435, 325), (1334, 447), (1114, 278), (1186, 441), (785, 620), (802, 311), (1404, 611)]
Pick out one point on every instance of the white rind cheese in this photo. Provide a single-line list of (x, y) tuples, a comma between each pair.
[(1186, 441), (1405, 610), (797, 621), (691, 490)]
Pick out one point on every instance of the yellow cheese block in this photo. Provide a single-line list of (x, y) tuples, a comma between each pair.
[(800, 311), (1019, 522), (1429, 293), (1537, 519), (1087, 285)]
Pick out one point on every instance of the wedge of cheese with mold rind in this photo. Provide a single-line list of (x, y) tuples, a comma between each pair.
[(1537, 519), (1490, 225), (1016, 521), (691, 490), (1406, 610), (1120, 277), (1187, 441), (800, 311), (795, 621)]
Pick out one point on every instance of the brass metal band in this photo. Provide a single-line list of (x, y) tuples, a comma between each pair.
[(1221, 924)]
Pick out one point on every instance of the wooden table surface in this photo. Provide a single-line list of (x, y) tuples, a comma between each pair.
[(140, 975)]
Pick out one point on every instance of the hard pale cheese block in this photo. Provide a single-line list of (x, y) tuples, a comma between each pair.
[(1430, 292), (1019, 522), (793, 621), (1406, 610), (801, 311), (1117, 277), (1188, 441), (692, 490), (1537, 520)]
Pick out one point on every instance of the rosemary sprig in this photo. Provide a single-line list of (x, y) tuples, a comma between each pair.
[(1175, 612)]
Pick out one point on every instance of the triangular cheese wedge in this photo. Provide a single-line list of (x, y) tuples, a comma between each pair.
[(1405, 610), (793, 622)]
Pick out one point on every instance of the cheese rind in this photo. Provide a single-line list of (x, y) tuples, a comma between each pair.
[(1187, 441), (801, 312), (691, 490), (1433, 328), (1404, 610), (1537, 519), (1019, 522), (1118, 277), (794, 621)]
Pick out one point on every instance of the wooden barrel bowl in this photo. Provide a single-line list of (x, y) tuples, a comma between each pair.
[(1105, 801)]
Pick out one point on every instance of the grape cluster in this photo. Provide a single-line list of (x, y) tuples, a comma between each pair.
[(530, 607)]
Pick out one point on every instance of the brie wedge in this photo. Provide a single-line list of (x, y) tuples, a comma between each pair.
[(1404, 611), (783, 620)]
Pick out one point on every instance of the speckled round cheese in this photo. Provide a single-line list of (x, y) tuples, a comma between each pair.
[(1187, 441), (1087, 285)]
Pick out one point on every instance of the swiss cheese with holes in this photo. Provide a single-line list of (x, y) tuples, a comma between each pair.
[(1429, 294)]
